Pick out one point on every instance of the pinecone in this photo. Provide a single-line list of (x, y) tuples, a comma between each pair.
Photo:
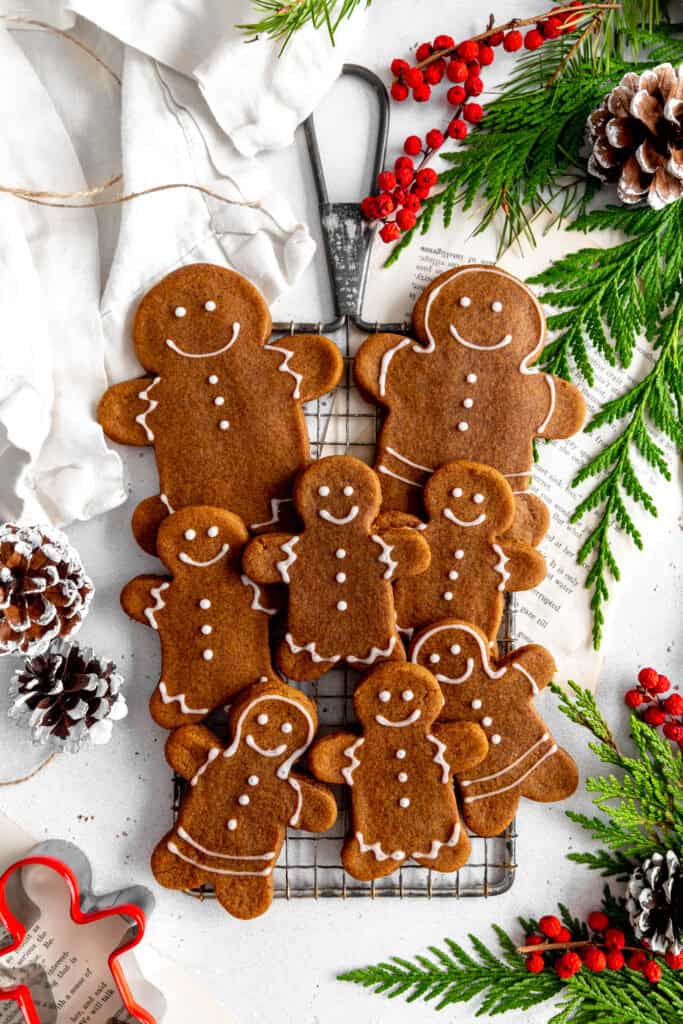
[(637, 137), (67, 696), (44, 591), (654, 900)]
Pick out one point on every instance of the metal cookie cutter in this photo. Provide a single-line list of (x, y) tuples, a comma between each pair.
[(131, 904)]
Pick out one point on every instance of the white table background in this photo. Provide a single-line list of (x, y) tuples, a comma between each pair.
[(114, 802)]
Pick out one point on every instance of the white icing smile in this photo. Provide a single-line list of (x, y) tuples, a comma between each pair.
[(339, 520), (185, 558), (505, 340), (264, 751), (410, 720), (457, 679), (449, 514), (204, 355)]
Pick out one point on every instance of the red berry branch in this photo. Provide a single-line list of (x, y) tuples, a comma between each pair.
[(400, 192), (658, 711)]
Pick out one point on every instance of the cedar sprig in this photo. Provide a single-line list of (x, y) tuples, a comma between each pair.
[(280, 20)]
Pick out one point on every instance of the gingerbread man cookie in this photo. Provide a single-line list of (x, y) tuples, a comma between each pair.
[(470, 508), (400, 773), (223, 407), (211, 618), (464, 388), (523, 759), (339, 571), (241, 798)]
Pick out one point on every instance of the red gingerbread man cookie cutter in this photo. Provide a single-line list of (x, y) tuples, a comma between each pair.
[(21, 994)]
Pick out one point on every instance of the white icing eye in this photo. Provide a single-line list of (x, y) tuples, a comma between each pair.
[(478, 499), (434, 659), (205, 603), (348, 491), (212, 531), (262, 718), (190, 534), (180, 312), (323, 491), (407, 695), (465, 301), (253, 780), (286, 727), (457, 492), (384, 696), (340, 553), (455, 649), (213, 379), (497, 306), (209, 306)]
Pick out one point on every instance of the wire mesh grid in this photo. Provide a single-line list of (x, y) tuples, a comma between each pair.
[(310, 864)]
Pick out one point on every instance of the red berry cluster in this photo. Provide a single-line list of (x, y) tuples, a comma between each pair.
[(605, 951), (459, 66), (658, 710)]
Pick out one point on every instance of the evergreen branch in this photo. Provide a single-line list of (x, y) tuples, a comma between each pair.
[(583, 710), (608, 864), (282, 18), (623, 997)]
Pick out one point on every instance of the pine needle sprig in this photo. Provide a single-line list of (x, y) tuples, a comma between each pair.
[(280, 20), (621, 997)]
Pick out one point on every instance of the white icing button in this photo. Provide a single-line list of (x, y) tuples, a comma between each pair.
[(434, 659), (340, 577), (459, 553), (209, 306), (219, 400), (476, 704), (212, 531), (478, 498), (404, 802), (207, 655), (207, 629), (286, 727), (213, 379), (447, 595), (468, 403), (205, 603), (455, 649), (190, 534), (463, 426), (400, 754), (224, 424), (486, 720), (471, 378), (340, 553), (495, 738), (342, 606), (262, 719), (253, 780), (407, 695), (323, 491), (452, 575), (402, 776), (232, 824), (348, 491), (457, 492), (263, 679), (497, 306), (385, 696), (465, 301), (180, 311), (243, 799)]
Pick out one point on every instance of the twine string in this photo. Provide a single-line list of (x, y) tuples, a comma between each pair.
[(29, 775)]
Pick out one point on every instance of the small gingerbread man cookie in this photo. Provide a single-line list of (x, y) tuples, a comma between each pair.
[(400, 773), (498, 694), (339, 571), (211, 618), (465, 388), (223, 407), (470, 508), (241, 798)]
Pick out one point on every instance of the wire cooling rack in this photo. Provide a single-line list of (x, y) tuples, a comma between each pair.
[(310, 864)]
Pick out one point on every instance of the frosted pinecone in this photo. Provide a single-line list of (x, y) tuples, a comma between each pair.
[(654, 900), (637, 137), (67, 696), (44, 590)]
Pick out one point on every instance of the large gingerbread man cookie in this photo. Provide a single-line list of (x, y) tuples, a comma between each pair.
[(241, 798), (400, 773), (211, 618), (223, 407), (523, 759), (339, 571), (473, 563), (464, 388)]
